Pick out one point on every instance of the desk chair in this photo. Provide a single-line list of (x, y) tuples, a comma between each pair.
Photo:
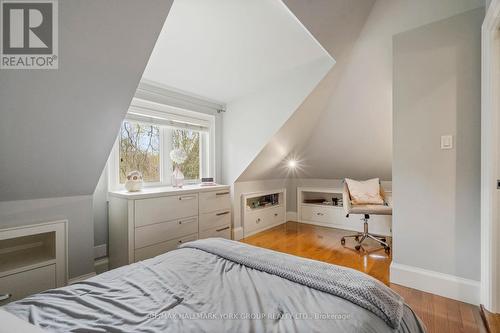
[(366, 210)]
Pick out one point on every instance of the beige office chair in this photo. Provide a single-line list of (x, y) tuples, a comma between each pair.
[(366, 211)]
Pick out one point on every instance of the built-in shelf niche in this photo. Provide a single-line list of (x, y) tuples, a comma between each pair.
[(27, 252), (333, 199), (266, 200)]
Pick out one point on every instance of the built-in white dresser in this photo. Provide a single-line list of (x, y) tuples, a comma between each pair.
[(33, 258), (156, 220), (263, 210)]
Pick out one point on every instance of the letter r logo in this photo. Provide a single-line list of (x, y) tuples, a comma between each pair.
[(27, 27)]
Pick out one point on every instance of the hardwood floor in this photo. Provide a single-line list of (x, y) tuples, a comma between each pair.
[(492, 320), (440, 314)]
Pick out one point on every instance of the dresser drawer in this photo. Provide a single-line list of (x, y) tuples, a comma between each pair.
[(160, 232), (26, 283), (221, 231), (319, 214), (161, 209), (160, 248), (215, 200), (215, 219)]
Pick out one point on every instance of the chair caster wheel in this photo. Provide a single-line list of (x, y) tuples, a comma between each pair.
[(357, 247), (383, 240), (387, 250), (342, 241), (356, 239)]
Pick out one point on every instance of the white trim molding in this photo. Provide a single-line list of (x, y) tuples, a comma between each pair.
[(490, 108), (238, 233), (441, 284), (292, 216)]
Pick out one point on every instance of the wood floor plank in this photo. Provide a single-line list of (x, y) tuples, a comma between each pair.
[(439, 314)]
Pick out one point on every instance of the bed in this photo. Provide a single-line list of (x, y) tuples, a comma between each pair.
[(218, 285)]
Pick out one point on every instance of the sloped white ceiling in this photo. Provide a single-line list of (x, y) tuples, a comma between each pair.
[(351, 135), (336, 24), (229, 49), (58, 126)]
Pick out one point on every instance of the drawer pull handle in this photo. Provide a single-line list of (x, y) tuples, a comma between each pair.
[(275, 214), (188, 197), (223, 213), (187, 221), (4, 297), (258, 220), (180, 242), (219, 230), (222, 193), (320, 214)]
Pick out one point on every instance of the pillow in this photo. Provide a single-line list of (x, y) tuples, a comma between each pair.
[(365, 192)]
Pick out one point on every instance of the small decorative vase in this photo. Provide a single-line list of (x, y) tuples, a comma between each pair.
[(134, 181), (177, 177)]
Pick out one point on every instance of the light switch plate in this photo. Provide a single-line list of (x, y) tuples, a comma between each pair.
[(447, 142)]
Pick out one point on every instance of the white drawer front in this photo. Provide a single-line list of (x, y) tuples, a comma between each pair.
[(263, 218), (215, 219), (27, 283), (155, 210), (221, 231), (160, 232), (319, 214), (157, 249), (215, 200)]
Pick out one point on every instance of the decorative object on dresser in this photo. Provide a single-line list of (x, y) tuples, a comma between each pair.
[(324, 206), (178, 156), (134, 181), (33, 258), (263, 210), (156, 220)]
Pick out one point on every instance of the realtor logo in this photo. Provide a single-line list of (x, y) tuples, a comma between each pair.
[(29, 34)]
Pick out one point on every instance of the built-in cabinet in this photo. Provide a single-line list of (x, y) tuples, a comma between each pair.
[(153, 221), (263, 210), (33, 258), (324, 207)]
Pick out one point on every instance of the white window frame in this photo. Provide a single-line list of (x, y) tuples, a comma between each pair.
[(176, 116)]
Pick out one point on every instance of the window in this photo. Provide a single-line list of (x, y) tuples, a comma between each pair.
[(139, 146), (147, 138)]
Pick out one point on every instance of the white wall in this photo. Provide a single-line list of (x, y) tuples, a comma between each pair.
[(436, 192), (58, 126)]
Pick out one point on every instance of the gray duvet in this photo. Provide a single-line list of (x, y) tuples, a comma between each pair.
[(216, 286)]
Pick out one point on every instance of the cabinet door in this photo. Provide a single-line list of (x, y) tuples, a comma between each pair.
[(162, 209)]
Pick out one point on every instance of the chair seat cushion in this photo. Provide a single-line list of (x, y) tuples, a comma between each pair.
[(371, 209)]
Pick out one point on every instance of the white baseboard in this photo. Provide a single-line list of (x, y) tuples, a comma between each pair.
[(238, 233), (357, 228), (263, 229), (441, 284), (100, 251), (291, 216), (81, 278)]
